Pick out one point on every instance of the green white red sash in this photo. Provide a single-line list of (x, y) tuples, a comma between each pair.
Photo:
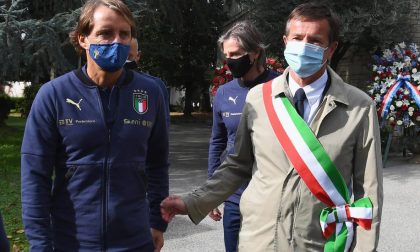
[(319, 173)]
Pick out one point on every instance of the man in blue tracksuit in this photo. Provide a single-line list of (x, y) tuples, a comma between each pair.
[(132, 64), (95, 148), (245, 56)]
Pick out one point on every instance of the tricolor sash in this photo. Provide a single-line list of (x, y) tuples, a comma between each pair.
[(319, 173)]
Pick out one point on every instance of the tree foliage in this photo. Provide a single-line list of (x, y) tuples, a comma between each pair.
[(33, 49), (178, 42), (177, 38), (364, 23), (5, 106)]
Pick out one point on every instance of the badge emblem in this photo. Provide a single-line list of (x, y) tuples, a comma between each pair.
[(140, 102)]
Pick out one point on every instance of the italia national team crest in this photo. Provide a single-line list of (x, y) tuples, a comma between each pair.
[(140, 101)]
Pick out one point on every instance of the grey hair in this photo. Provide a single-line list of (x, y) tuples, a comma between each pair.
[(248, 37)]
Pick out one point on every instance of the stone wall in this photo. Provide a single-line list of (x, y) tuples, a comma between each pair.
[(354, 67), (414, 19)]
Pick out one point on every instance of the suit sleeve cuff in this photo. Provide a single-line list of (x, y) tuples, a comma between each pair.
[(194, 212)]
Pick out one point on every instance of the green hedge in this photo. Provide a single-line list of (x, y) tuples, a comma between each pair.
[(17, 103), (5, 106), (29, 94)]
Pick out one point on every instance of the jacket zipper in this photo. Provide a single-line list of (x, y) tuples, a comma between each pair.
[(105, 192), (105, 176)]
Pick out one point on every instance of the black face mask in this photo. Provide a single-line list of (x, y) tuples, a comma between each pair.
[(132, 65), (240, 66)]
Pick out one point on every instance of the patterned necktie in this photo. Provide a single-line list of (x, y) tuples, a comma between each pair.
[(299, 100)]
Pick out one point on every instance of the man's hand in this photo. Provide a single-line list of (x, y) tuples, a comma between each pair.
[(172, 206), (157, 237), (215, 214)]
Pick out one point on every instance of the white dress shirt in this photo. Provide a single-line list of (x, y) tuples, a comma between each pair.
[(313, 93)]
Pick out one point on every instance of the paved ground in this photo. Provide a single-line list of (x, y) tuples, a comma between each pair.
[(188, 154)]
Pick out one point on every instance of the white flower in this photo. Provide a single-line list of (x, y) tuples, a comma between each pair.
[(399, 104), (391, 119), (393, 70), (376, 78), (413, 47), (414, 70), (383, 90), (389, 82), (416, 76), (388, 54), (418, 118), (406, 92), (411, 109), (402, 45), (399, 65), (406, 102), (392, 108), (412, 124), (377, 98), (399, 122), (375, 68), (410, 113)]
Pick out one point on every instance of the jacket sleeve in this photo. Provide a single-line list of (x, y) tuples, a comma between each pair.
[(157, 165), (234, 172), (165, 94), (218, 139), (37, 163), (368, 181)]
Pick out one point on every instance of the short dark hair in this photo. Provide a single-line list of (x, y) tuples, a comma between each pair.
[(248, 37), (85, 24), (316, 11)]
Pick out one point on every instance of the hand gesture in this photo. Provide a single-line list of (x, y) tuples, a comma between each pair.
[(157, 239), (172, 206), (215, 214)]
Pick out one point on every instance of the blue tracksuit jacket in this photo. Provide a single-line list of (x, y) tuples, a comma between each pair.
[(94, 174), (227, 110)]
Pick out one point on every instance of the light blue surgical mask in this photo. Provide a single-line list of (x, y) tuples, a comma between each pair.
[(110, 57), (303, 58)]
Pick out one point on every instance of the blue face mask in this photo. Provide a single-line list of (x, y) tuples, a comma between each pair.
[(110, 57), (305, 59)]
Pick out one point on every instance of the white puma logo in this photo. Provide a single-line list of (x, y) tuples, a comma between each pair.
[(70, 101), (233, 100)]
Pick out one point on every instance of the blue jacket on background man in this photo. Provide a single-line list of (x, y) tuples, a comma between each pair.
[(95, 164), (227, 110)]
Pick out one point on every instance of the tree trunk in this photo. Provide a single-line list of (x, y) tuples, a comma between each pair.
[(205, 100), (341, 50), (188, 99)]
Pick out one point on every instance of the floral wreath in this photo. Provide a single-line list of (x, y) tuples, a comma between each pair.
[(223, 75), (394, 85)]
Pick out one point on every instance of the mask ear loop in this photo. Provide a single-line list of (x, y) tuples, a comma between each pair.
[(326, 48), (253, 62)]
